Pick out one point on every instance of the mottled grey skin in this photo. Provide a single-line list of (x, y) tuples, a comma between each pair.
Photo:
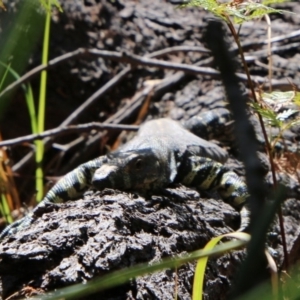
[(150, 160), (162, 152)]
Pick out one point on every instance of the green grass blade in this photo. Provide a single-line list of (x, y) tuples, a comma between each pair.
[(24, 29), (28, 96), (31, 108), (5, 210), (202, 262), (42, 108), (122, 276), (2, 211), (4, 75)]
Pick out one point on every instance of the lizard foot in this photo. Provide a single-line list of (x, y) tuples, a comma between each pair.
[(17, 226)]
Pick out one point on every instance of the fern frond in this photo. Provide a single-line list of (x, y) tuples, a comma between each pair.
[(240, 11), (283, 116), (269, 2), (296, 99), (279, 97), (269, 116)]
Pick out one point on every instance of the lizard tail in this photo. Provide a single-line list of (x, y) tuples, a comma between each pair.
[(245, 219)]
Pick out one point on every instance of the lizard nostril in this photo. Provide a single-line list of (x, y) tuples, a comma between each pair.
[(138, 164)]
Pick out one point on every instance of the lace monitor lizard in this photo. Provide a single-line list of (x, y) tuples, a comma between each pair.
[(161, 153)]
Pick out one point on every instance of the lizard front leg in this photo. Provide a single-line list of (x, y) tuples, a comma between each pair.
[(71, 186), (75, 183), (206, 174)]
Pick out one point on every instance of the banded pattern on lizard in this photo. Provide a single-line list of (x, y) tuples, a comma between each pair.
[(162, 152)]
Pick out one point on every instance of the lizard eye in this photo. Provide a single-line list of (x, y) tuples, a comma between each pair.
[(138, 164)]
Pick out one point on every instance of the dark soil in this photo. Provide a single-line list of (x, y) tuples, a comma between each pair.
[(109, 230)]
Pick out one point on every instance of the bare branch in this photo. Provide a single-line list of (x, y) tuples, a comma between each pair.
[(83, 52), (136, 60), (275, 39), (59, 131), (41, 68), (104, 89), (96, 95), (131, 59)]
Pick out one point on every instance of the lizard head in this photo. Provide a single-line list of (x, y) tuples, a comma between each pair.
[(134, 169)]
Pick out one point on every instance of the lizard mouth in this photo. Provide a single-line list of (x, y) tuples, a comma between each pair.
[(103, 177), (146, 184)]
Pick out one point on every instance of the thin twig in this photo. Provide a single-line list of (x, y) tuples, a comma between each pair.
[(116, 79), (59, 131), (113, 82), (275, 39), (268, 20), (104, 89), (130, 59), (35, 71), (130, 109), (283, 37), (83, 52), (275, 49), (176, 49), (136, 60)]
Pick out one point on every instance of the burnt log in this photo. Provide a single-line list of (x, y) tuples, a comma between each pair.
[(110, 230)]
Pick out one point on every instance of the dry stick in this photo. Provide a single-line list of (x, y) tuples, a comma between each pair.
[(35, 71), (67, 130), (119, 117), (176, 49), (131, 59), (275, 49), (116, 79), (267, 67), (269, 50), (276, 39), (280, 38), (122, 57), (134, 59), (128, 110), (137, 60), (83, 52)]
